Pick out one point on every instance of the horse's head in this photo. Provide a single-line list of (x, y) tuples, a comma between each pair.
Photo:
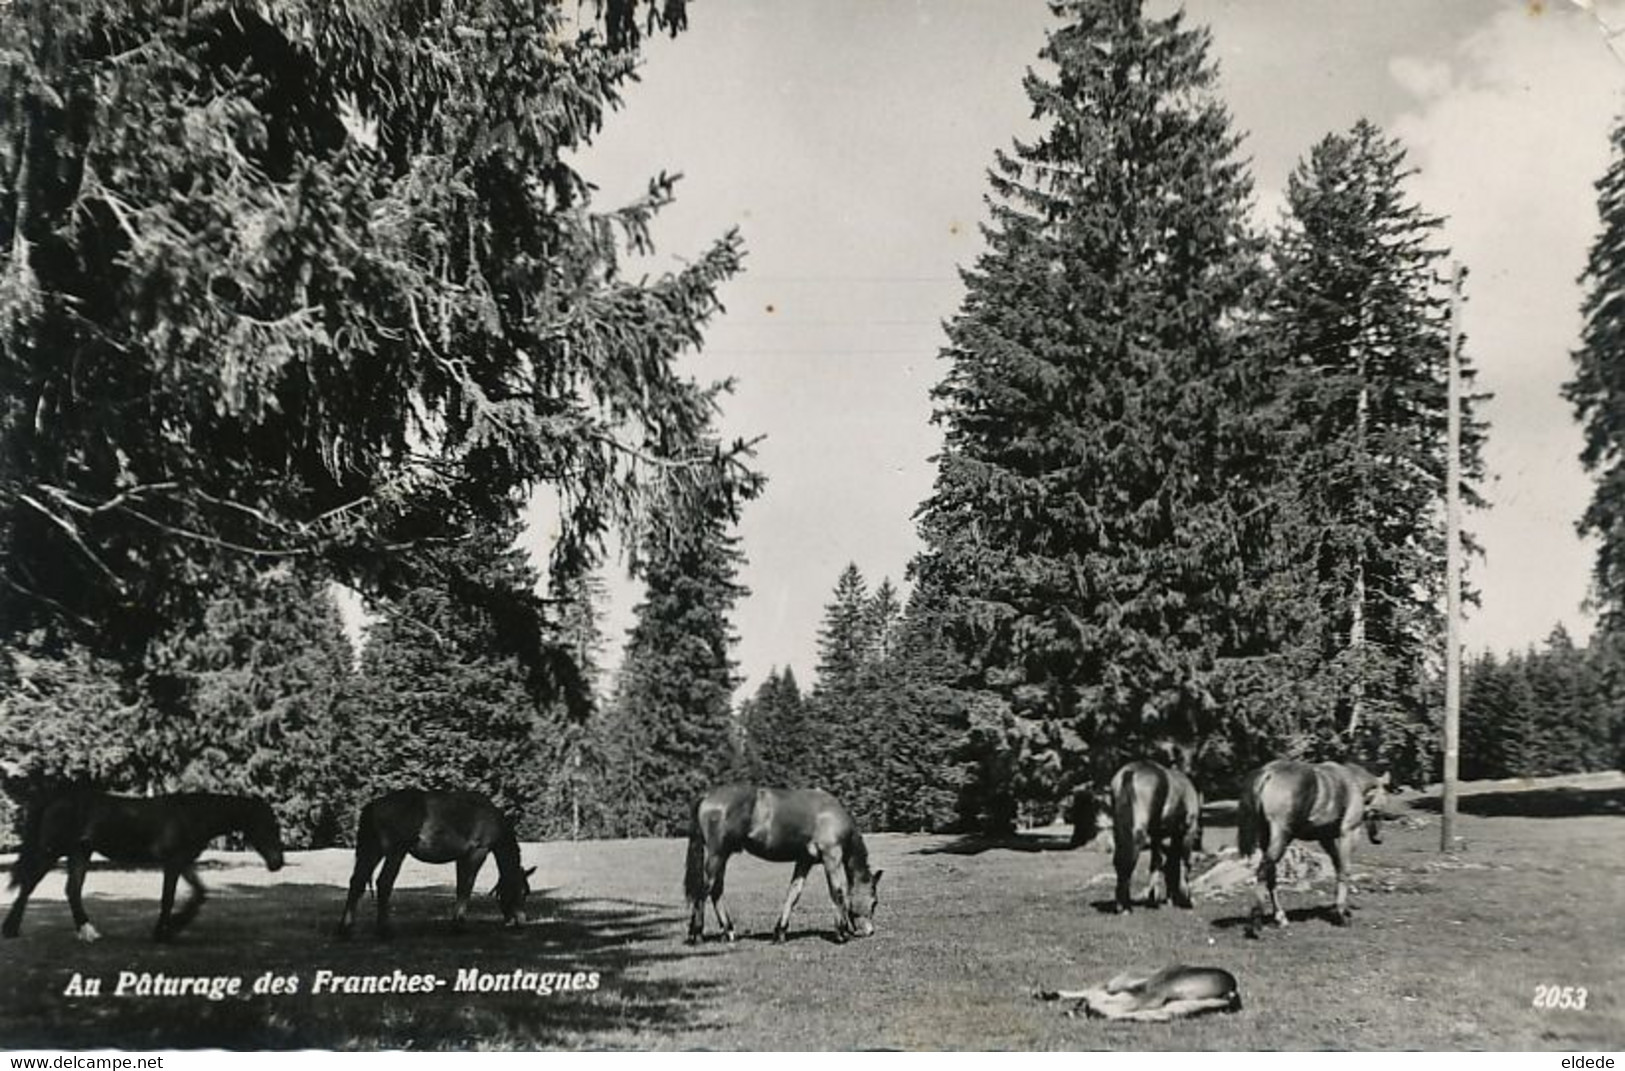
[(1374, 794), (264, 834), (511, 891), (862, 898)]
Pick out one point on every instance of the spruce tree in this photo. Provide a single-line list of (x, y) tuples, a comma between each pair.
[(848, 741), (1597, 390), (322, 282), (674, 692), (441, 705), (1362, 323), (1101, 480), (778, 733)]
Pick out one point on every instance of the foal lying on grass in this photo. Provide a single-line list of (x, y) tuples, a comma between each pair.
[(1176, 992)]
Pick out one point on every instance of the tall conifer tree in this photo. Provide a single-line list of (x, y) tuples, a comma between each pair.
[(1597, 390), (1362, 314), (1099, 483), (674, 692)]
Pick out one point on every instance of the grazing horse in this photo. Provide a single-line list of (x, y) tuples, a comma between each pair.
[(1284, 801), (436, 827), (800, 826), (1156, 807), (166, 831), (1176, 992)]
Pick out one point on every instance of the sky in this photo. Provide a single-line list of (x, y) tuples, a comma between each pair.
[(848, 140)]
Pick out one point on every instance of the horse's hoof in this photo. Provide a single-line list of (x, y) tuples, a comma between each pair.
[(730, 937), (89, 933), (692, 939), (1341, 918), (9, 930)]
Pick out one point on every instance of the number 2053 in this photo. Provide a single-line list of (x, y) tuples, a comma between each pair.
[(1566, 997)]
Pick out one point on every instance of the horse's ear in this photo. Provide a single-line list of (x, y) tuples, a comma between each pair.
[(874, 882), (1383, 780), (529, 871)]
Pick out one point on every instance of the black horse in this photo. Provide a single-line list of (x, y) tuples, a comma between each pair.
[(165, 831), (800, 826), (436, 827), (1284, 801)]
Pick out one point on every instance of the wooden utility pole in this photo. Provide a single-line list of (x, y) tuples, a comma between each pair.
[(1452, 566)]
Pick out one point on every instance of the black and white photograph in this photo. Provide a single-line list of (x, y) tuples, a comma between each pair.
[(737, 525)]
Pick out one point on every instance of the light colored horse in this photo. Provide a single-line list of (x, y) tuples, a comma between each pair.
[(1327, 802)]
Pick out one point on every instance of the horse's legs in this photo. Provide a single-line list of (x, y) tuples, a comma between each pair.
[(1338, 848), (468, 868), (366, 861), (1125, 853), (26, 881), (386, 884), (835, 871), (195, 895), (696, 917), (1179, 872), (716, 870), (166, 904), (803, 866), (78, 865), (1156, 886), (1266, 901)]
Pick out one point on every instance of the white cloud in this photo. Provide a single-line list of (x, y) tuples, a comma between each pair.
[(1508, 152), (1421, 77)]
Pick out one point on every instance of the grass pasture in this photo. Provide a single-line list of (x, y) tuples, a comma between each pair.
[(1444, 953)]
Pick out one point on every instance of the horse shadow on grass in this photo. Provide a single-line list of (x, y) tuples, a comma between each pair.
[(1322, 913), (1557, 802), (614, 966), (766, 937)]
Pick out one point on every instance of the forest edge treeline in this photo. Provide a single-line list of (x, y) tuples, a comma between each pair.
[(1187, 504)]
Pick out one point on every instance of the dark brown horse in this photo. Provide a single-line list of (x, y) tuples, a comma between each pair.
[(164, 831), (436, 827), (800, 826), (1327, 802)]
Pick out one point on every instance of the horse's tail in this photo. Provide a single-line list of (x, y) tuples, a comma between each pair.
[(694, 869), (1250, 816), (30, 853), (1123, 804)]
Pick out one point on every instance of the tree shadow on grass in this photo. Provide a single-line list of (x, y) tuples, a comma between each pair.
[(286, 931), (1557, 802)]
